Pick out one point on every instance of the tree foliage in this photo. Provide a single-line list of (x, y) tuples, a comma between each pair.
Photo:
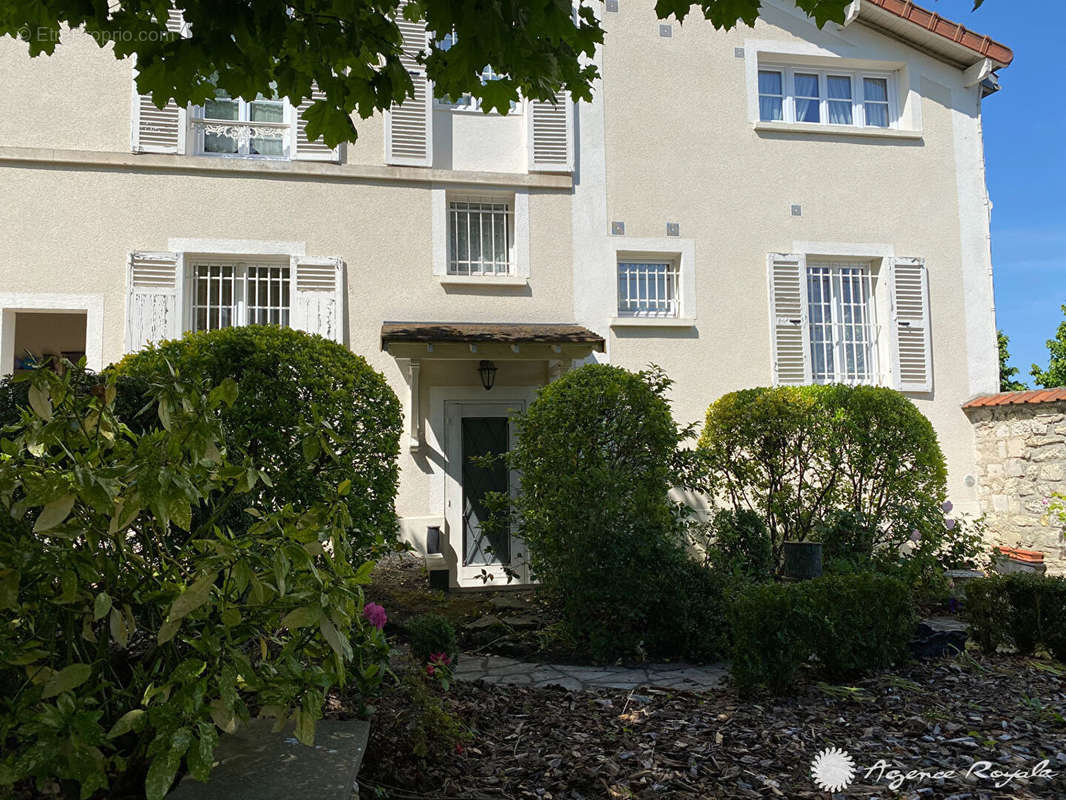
[(796, 455), (310, 414), (1055, 374), (1007, 382), (351, 49), (133, 635)]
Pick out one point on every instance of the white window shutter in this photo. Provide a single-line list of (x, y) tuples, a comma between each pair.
[(318, 296), (159, 130), (306, 149), (912, 351), (415, 39), (153, 307), (409, 127), (788, 319), (551, 135)]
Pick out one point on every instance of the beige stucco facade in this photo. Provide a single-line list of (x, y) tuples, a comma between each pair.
[(671, 137)]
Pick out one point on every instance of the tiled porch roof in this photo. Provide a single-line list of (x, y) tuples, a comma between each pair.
[(952, 36), (1018, 398), (485, 332)]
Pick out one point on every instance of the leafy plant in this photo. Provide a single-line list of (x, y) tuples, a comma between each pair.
[(598, 452), (301, 395), (849, 623), (429, 634), (797, 455), (134, 626), (261, 46)]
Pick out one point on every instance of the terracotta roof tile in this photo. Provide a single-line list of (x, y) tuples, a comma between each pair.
[(1031, 396), (952, 31)]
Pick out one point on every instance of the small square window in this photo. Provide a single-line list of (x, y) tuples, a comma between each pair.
[(225, 295), (649, 288)]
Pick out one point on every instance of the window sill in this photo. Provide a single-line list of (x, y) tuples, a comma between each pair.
[(482, 280), (653, 322), (835, 130)]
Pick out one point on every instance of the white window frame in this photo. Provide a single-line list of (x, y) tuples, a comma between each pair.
[(518, 200), (198, 122), (11, 303), (467, 103), (455, 203), (870, 279), (240, 305), (682, 252), (858, 103)]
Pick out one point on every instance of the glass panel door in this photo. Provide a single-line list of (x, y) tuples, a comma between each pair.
[(483, 436)]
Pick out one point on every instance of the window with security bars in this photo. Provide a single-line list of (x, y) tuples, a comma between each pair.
[(225, 295), (480, 236), (648, 288), (841, 323)]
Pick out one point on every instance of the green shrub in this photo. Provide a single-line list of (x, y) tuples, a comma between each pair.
[(1022, 610), (429, 634), (738, 543), (597, 453), (797, 454), (131, 635), (848, 623), (689, 621), (300, 395)]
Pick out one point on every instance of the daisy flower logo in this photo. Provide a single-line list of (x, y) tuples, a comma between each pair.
[(833, 769)]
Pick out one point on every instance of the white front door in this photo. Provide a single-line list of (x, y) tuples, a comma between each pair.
[(476, 430)]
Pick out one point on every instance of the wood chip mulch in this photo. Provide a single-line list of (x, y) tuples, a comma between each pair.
[(554, 744)]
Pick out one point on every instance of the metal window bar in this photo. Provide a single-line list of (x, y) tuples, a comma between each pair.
[(840, 320), (648, 289), (479, 234), (237, 294)]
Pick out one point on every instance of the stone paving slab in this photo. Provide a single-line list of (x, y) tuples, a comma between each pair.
[(256, 763), (498, 671)]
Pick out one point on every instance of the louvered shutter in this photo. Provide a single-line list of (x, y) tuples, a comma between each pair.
[(318, 297), (550, 135), (788, 319), (159, 130), (409, 125), (305, 149), (910, 326), (153, 301)]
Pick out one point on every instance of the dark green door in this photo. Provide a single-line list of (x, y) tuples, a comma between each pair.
[(483, 436)]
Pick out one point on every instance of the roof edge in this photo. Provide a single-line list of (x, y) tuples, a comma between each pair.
[(1024, 397)]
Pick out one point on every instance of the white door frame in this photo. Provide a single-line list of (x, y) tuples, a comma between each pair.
[(476, 402), (92, 304)]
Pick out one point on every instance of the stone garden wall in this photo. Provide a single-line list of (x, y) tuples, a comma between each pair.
[(1021, 460)]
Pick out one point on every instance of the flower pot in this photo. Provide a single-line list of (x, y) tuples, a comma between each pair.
[(803, 560)]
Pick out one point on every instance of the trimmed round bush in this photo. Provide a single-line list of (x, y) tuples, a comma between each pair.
[(598, 452), (797, 455), (291, 386)]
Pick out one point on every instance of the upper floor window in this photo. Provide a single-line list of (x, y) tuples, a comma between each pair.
[(480, 236), (649, 288), (236, 127), (826, 96), (840, 313), (467, 101), (225, 295)]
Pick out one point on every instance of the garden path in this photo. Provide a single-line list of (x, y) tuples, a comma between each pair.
[(499, 671)]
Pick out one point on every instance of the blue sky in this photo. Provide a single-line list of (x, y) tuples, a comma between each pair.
[(1025, 157)]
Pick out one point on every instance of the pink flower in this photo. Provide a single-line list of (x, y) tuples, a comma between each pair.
[(430, 669), (947, 506), (375, 615), (915, 535), (440, 658), (949, 524)]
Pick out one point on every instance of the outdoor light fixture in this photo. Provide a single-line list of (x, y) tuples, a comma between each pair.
[(487, 371)]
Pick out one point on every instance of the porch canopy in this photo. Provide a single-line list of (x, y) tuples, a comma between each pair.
[(490, 340)]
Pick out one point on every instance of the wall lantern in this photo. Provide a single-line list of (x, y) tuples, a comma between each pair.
[(487, 371)]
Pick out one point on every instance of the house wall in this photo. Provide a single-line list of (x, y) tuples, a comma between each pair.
[(1021, 461), (674, 120)]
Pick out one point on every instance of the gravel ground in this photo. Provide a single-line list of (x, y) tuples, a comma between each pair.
[(554, 744)]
